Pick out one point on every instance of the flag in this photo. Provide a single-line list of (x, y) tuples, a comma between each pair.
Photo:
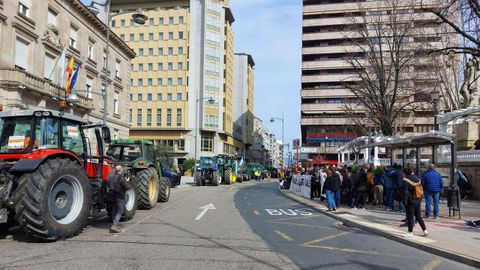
[(74, 77), (69, 71)]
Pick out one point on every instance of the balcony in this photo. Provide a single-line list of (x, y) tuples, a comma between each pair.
[(332, 21), (326, 93), (331, 49), (322, 107), (330, 35), (326, 64), (329, 78), (24, 81), (325, 121), (347, 7)]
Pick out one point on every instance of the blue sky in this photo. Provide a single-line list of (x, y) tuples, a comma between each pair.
[(270, 30)]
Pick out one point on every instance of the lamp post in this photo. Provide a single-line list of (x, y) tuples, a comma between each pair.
[(197, 120), (325, 148), (137, 17), (283, 132), (435, 95)]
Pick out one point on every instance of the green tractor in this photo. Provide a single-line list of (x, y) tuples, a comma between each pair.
[(228, 169), (137, 157), (207, 170)]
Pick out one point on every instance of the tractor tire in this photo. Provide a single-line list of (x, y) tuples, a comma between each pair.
[(57, 200), (216, 178), (131, 202), (18, 195), (147, 184), (164, 191), (227, 176), (198, 179)]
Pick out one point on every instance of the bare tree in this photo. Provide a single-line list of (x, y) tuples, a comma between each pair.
[(383, 81)]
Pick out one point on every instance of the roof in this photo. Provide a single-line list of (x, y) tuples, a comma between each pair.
[(64, 115), (130, 141), (432, 138)]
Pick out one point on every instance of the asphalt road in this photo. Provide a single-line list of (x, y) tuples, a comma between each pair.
[(252, 227)]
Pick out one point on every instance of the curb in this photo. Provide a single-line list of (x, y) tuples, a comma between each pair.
[(433, 250)]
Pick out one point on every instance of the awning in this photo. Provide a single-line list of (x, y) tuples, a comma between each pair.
[(433, 138)]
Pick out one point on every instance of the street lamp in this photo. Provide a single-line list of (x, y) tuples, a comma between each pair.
[(197, 128), (435, 95), (137, 17), (325, 153), (283, 131)]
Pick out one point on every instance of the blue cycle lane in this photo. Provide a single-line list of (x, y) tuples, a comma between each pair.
[(314, 241)]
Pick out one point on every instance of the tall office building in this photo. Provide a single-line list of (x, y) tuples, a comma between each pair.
[(182, 78), (326, 26)]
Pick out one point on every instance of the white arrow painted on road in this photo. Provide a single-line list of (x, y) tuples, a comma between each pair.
[(205, 209)]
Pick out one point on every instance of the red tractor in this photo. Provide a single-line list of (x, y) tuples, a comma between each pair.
[(49, 180)]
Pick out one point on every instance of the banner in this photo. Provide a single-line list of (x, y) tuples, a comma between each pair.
[(301, 185)]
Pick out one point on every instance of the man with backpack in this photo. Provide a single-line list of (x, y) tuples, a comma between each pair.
[(433, 185), (413, 194), (117, 185)]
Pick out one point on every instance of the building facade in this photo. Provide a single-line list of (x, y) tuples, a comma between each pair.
[(329, 30), (266, 148), (37, 40)]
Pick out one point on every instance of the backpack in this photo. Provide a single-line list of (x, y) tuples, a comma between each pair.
[(418, 191)]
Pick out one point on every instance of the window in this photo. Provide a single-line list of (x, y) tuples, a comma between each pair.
[(160, 20), (160, 51), (334, 101), (132, 22), (179, 96), (159, 117), (150, 36), (115, 103), (24, 7), (139, 117), (160, 35), (180, 35), (180, 50), (89, 87), (180, 20), (159, 97), (117, 68), (179, 65), (159, 81), (51, 17), (170, 51), (131, 97), (179, 81), (170, 66), (131, 82), (149, 83), (149, 96), (140, 67), (71, 140), (130, 117), (160, 66), (169, 96), (48, 66), (104, 60), (72, 41), (113, 23), (150, 66), (151, 21), (122, 37), (132, 37), (170, 35), (206, 144), (140, 37), (140, 82), (149, 117), (140, 52), (139, 97), (169, 81), (131, 67), (169, 117), (122, 23), (150, 51), (22, 54), (179, 117), (170, 20)]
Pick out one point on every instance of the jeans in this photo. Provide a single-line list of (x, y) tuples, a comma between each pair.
[(428, 203), (413, 211), (330, 199), (117, 211), (337, 198)]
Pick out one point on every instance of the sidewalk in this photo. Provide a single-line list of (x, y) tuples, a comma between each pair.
[(448, 237)]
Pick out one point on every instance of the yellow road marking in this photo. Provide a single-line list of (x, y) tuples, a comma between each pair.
[(432, 265), (310, 243), (301, 225), (345, 250), (256, 212), (298, 217), (284, 236)]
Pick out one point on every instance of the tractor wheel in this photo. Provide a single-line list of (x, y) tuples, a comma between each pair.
[(198, 179), (147, 183), (131, 202), (18, 195), (164, 191), (57, 200), (216, 178), (227, 175)]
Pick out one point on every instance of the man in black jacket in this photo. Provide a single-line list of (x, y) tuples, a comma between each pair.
[(361, 185), (411, 202), (119, 185)]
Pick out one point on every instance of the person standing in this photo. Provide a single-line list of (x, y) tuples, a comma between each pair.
[(398, 188), (338, 193), (119, 185), (433, 184), (315, 185), (412, 201), (379, 181), (331, 186), (370, 176), (361, 185), (389, 187)]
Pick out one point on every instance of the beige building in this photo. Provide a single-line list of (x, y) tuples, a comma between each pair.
[(182, 79), (37, 40), (326, 26)]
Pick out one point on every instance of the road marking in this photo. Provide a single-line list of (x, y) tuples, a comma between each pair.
[(301, 225), (346, 250), (256, 212), (288, 212), (284, 236), (432, 265), (205, 209), (310, 243), (295, 218)]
